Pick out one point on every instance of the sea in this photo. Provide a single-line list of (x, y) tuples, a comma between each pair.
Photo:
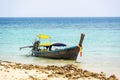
[(101, 45)]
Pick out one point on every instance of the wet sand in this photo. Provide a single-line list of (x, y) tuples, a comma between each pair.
[(18, 71)]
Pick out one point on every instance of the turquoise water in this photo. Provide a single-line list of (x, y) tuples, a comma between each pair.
[(101, 47)]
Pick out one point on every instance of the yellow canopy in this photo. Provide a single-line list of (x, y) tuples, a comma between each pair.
[(43, 36), (45, 44)]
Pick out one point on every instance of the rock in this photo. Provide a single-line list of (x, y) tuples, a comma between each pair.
[(59, 72), (95, 75), (70, 67), (102, 76), (68, 75), (112, 77), (87, 73)]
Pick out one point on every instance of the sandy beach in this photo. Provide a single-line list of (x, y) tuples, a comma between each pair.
[(19, 71)]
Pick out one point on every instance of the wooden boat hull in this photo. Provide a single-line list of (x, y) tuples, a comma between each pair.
[(67, 53)]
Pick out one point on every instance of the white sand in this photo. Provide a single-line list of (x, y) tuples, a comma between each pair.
[(17, 71)]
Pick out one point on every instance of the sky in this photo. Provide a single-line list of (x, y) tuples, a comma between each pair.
[(59, 8)]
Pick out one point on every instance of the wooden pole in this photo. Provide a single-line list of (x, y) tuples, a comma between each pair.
[(81, 39), (80, 43)]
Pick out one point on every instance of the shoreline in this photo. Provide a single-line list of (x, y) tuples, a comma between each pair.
[(18, 71)]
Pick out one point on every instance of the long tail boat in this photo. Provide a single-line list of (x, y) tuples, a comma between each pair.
[(64, 53)]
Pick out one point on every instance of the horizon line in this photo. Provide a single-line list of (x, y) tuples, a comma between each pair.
[(60, 17)]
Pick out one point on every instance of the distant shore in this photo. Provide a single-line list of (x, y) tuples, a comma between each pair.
[(18, 71)]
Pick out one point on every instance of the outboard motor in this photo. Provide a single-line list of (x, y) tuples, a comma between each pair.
[(36, 45)]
